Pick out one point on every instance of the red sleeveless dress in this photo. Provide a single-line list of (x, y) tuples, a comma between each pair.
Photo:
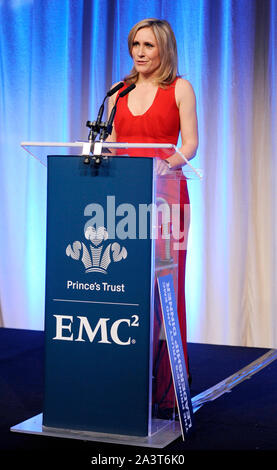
[(159, 124)]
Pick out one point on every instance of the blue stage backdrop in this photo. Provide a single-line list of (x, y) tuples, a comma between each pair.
[(57, 60)]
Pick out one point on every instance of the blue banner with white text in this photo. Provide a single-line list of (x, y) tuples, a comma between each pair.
[(176, 355)]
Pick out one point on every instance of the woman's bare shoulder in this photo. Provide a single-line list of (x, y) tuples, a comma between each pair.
[(184, 90), (184, 86)]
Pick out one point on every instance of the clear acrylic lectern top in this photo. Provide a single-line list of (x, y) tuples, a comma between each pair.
[(40, 151)]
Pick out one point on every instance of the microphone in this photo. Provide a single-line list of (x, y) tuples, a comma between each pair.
[(95, 126), (126, 91), (109, 93), (105, 128), (115, 88), (109, 126)]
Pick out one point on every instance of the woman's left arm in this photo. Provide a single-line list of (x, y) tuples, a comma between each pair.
[(186, 102)]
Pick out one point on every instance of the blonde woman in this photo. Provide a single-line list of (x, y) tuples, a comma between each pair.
[(161, 107)]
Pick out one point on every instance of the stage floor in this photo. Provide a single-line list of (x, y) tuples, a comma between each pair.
[(239, 414)]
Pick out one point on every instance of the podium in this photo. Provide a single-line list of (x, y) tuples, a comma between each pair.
[(112, 231)]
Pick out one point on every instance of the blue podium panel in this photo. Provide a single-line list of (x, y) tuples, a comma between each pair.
[(99, 286)]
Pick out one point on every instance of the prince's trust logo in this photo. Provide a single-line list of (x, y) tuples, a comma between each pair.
[(97, 255)]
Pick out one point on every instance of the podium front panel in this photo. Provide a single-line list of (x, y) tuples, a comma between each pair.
[(99, 292)]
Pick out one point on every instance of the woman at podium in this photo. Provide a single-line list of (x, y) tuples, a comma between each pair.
[(161, 107)]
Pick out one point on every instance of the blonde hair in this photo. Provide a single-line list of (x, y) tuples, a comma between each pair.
[(165, 37)]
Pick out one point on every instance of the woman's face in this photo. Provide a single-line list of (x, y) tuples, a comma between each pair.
[(145, 52)]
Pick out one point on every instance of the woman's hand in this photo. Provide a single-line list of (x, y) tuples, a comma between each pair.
[(163, 167)]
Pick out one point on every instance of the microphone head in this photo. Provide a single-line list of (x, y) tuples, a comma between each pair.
[(127, 90), (115, 88)]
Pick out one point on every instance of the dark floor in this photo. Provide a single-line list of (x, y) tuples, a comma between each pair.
[(239, 424)]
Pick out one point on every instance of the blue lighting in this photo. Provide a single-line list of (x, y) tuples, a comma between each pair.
[(57, 60)]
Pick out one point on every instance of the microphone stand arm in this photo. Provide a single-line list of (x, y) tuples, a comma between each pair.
[(108, 126), (104, 128)]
